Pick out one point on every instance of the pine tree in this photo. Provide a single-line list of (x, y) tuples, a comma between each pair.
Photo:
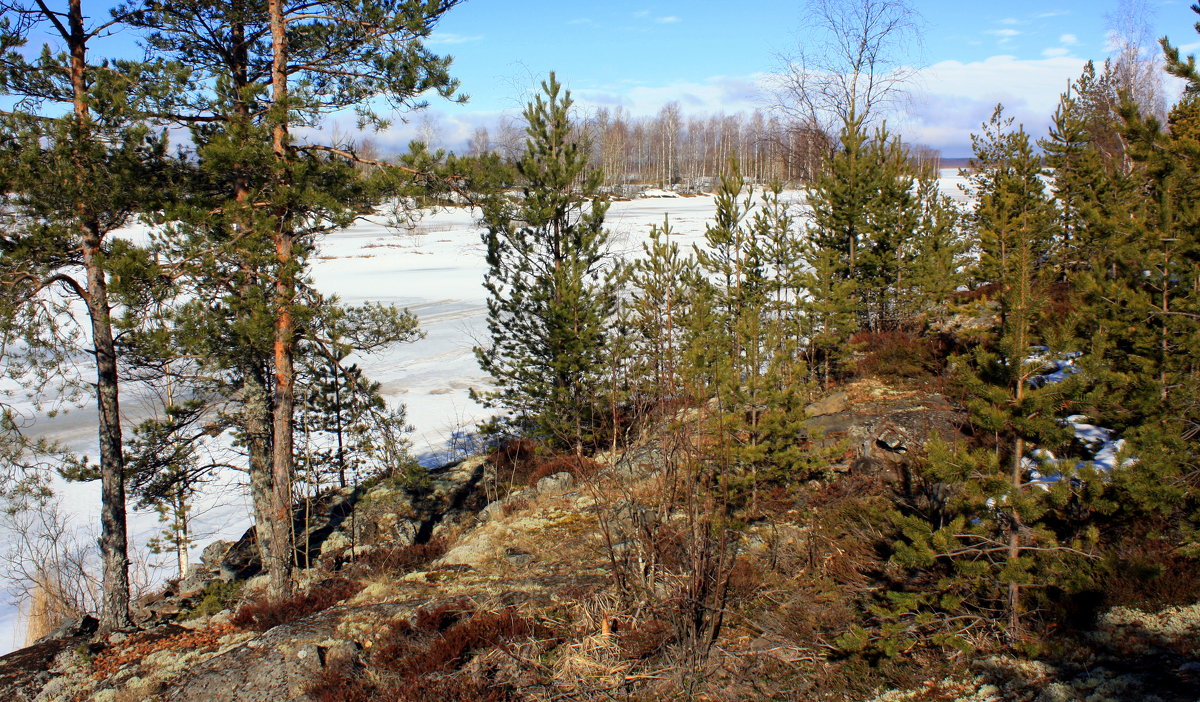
[(548, 297), (346, 423), (830, 313), (933, 262), (1142, 323), (893, 216), (253, 73), (839, 202), (1012, 204), (662, 283), (865, 211), (74, 179), (749, 339), (1092, 181), (166, 472), (1002, 538)]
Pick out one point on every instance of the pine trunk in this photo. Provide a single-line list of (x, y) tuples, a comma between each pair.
[(113, 538), (256, 422), (280, 570)]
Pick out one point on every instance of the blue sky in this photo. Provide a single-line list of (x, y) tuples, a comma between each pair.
[(713, 57)]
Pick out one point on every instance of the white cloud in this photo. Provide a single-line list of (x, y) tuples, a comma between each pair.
[(1004, 33), (717, 94), (1056, 51), (451, 38), (955, 97), (1010, 21), (1052, 13), (642, 13), (670, 19), (1068, 39), (581, 20)]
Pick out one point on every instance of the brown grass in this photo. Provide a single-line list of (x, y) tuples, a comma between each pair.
[(421, 660), (47, 609), (268, 613), (399, 560)]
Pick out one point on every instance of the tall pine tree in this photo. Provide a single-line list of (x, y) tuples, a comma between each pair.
[(549, 298), (78, 166)]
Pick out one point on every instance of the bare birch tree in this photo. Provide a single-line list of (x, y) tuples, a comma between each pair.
[(857, 61)]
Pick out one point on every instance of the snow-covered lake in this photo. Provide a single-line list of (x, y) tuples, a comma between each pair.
[(435, 269)]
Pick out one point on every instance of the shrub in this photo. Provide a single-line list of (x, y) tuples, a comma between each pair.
[(337, 686), (512, 506), (896, 355), (403, 559), (1149, 573), (441, 638), (646, 639), (524, 462), (267, 614), (578, 466), (216, 596), (419, 661)]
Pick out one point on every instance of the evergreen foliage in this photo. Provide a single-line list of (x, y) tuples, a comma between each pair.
[(73, 179), (248, 74), (663, 285), (346, 425), (1013, 208), (1007, 534), (868, 213), (549, 297)]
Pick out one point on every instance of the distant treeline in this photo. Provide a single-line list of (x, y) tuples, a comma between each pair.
[(674, 149)]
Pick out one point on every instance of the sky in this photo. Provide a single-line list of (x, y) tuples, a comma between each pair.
[(716, 57), (719, 57)]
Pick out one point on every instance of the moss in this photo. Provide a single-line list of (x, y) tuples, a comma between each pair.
[(217, 596)]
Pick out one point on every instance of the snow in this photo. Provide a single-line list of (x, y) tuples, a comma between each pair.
[(1099, 442), (1058, 367), (434, 268), (658, 192)]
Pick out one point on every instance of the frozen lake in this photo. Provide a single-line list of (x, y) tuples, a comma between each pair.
[(436, 270)]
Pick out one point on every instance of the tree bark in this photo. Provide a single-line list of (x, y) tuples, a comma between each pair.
[(256, 422), (114, 612), (280, 571), (113, 538)]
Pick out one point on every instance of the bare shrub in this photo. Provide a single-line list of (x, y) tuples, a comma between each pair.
[(48, 564), (671, 542)]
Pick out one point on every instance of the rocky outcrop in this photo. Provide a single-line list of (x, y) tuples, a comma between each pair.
[(282, 663), (879, 426), (388, 512), (26, 672), (548, 547)]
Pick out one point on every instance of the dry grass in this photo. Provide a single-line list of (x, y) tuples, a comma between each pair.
[(48, 607)]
